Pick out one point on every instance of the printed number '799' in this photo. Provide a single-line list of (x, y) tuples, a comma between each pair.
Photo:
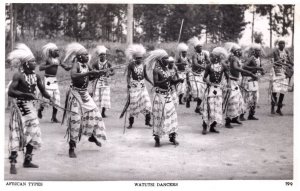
[(289, 183)]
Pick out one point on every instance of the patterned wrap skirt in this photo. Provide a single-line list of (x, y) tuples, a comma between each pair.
[(101, 94), (51, 86), (164, 114), (181, 88), (85, 118), (250, 92), (235, 105), (212, 106), (280, 84), (198, 86), (24, 126), (139, 99)]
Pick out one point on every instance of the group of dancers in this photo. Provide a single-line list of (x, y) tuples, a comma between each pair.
[(222, 85)]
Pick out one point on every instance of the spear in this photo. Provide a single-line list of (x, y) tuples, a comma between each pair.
[(57, 106)]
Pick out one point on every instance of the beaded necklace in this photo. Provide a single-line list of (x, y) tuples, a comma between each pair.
[(217, 72), (139, 71), (31, 80)]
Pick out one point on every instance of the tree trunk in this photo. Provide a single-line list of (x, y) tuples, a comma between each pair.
[(271, 26), (12, 40), (129, 23), (252, 35), (293, 26)]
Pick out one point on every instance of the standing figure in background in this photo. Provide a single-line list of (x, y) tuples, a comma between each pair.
[(182, 64), (195, 77), (52, 61), (101, 88), (213, 99), (280, 73), (85, 118), (139, 100), (235, 101), (173, 72), (250, 85), (164, 109), (24, 130)]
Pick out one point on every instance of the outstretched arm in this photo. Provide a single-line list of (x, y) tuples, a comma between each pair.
[(146, 75)]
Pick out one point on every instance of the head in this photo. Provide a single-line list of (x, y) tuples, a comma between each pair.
[(164, 61), (237, 52), (281, 45), (138, 59), (198, 48), (102, 57), (171, 62), (29, 66), (214, 58), (257, 53), (54, 53), (83, 57), (183, 54)]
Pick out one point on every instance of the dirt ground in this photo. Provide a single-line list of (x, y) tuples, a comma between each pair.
[(255, 150)]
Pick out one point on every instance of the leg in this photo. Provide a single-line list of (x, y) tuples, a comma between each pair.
[(212, 128), (204, 125), (28, 158), (279, 105), (180, 99), (40, 110), (273, 102), (72, 145), (13, 161), (242, 118), (235, 120), (188, 101), (103, 112), (252, 113), (197, 110), (147, 119), (157, 141), (131, 121), (94, 140), (172, 138), (227, 123), (54, 119)]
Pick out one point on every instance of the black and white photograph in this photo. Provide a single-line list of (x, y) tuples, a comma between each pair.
[(152, 95)]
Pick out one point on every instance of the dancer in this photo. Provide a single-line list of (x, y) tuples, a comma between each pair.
[(101, 90), (88, 120), (24, 130), (51, 55)]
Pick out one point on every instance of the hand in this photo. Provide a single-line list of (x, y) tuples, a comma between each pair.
[(254, 77), (170, 78), (51, 100), (209, 83), (30, 96), (94, 73), (128, 86)]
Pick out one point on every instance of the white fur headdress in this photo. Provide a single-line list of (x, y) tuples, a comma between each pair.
[(135, 50), (182, 47), (20, 54), (74, 49), (47, 48), (154, 56), (100, 49), (171, 59), (231, 46), (221, 52), (194, 42)]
